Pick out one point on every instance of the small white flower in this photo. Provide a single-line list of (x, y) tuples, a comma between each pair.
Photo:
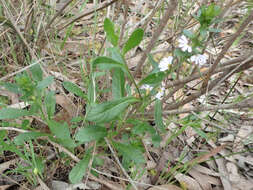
[(164, 63), (199, 59), (146, 87), (160, 93), (183, 44)]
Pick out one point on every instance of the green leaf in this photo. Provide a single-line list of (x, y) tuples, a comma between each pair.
[(108, 63), (11, 87), (134, 40), (59, 130), (141, 127), (110, 33), (118, 84), (73, 88), (91, 90), (153, 63), (45, 83), (156, 140), (130, 152), (50, 103), (10, 146), (13, 113), (200, 132), (77, 172), (215, 30), (118, 78), (116, 55), (21, 138), (91, 133), (153, 78), (37, 73), (188, 34), (108, 111), (158, 115)]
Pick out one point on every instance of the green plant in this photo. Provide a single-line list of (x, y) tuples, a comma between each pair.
[(115, 112)]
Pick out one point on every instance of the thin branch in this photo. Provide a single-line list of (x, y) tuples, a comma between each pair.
[(100, 7), (169, 12), (122, 31), (10, 17), (226, 74), (226, 47), (248, 103), (57, 14), (21, 70), (13, 129), (118, 162)]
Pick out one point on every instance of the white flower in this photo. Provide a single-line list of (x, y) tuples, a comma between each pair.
[(164, 63), (183, 44), (160, 93), (199, 59), (146, 87)]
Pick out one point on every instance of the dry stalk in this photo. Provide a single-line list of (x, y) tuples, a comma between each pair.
[(226, 74), (169, 12), (96, 8), (16, 28), (118, 162), (122, 31), (225, 49)]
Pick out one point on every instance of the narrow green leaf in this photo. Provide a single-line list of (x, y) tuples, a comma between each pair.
[(215, 30), (153, 63), (37, 73), (45, 83), (12, 87), (91, 91), (118, 84), (108, 63), (21, 138), (158, 115), (108, 111), (200, 132), (73, 88), (188, 34), (13, 113), (10, 146), (118, 78), (153, 78), (134, 40), (50, 103), (116, 55), (110, 33), (77, 172), (156, 140), (91, 133)]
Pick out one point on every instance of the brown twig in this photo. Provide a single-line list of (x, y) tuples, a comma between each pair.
[(118, 162), (168, 13), (244, 104), (122, 31), (57, 14), (227, 65), (96, 8), (226, 74), (225, 49), (16, 28)]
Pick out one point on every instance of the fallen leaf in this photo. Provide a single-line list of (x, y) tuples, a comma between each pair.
[(165, 187), (188, 182)]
